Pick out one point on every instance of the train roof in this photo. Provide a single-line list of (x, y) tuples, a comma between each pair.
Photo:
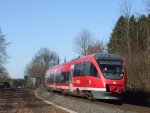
[(97, 56), (106, 56)]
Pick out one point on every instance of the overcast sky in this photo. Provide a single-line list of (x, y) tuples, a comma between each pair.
[(32, 24)]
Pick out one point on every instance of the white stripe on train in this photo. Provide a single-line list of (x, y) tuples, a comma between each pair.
[(80, 88)]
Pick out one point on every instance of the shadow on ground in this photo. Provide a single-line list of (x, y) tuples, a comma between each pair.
[(138, 98)]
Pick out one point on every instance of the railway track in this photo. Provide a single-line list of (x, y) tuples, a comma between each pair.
[(24, 101), (119, 104), (125, 105), (116, 104)]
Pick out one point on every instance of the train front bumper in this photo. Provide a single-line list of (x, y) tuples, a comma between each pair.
[(106, 95)]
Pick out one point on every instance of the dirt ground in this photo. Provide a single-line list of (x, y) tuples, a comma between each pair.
[(24, 101)]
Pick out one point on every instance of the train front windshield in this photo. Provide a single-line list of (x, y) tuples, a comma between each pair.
[(111, 69)]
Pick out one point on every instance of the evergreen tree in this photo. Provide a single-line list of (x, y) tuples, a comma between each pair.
[(142, 30), (133, 34), (117, 39)]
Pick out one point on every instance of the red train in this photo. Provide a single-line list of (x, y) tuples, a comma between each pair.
[(98, 76)]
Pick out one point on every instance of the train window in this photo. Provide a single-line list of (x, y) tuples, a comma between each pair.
[(93, 71), (57, 79), (62, 79), (67, 74), (85, 68), (77, 69), (74, 71), (65, 77)]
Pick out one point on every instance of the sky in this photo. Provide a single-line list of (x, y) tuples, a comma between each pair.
[(32, 24)]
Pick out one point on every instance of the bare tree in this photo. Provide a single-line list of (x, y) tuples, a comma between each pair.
[(40, 63), (3, 45), (126, 8), (148, 5), (4, 75), (46, 57), (82, 42), (96, 47)]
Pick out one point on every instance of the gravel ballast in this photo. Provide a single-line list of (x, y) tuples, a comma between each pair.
[(77, 105)]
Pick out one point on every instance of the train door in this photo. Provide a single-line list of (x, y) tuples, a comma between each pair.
[(71, 78), (55, 79)]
